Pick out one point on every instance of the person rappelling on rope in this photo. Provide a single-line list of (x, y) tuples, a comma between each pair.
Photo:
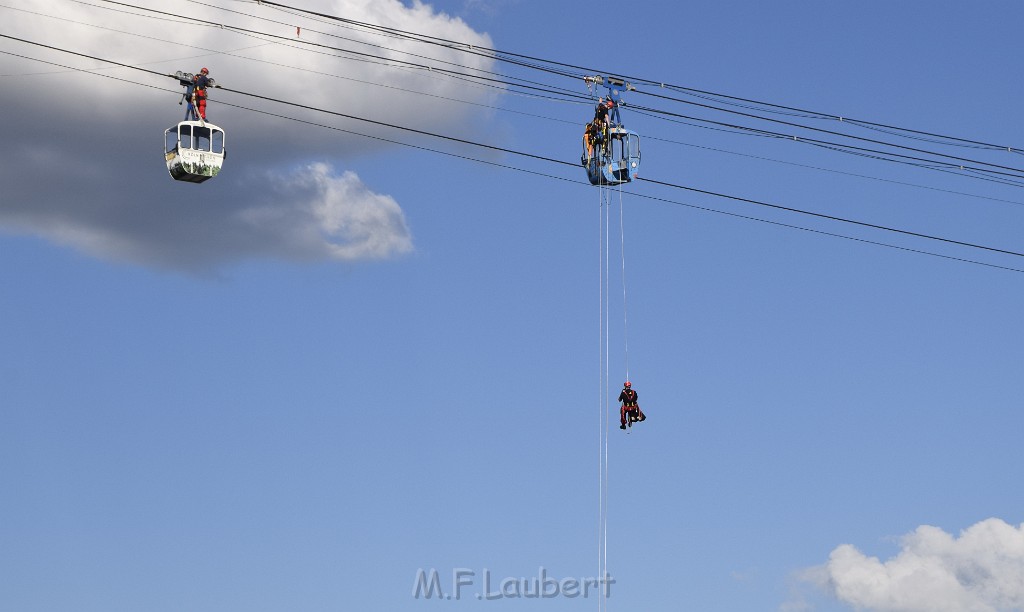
[(630, 412)]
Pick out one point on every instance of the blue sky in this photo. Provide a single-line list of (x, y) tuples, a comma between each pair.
[(343, 361)]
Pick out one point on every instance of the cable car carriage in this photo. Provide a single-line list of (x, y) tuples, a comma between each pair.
[(194, 151), (611, 153), (614, 159)]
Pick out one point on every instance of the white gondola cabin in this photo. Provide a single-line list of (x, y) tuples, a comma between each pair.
[(194, 151)]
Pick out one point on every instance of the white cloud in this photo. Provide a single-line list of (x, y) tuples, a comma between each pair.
[(982, 570), (310, 214), (84, 169), (328, 216)]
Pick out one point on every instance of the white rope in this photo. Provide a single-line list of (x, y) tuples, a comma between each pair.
[(600, 388), (604, 349), (603, 405), (622, 247), (604, 342), (607, 397)]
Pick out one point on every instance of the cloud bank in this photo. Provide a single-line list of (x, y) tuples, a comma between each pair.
[(83, 168), (982, 570)]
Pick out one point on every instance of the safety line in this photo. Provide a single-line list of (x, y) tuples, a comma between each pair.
[(622, 251), (604, 414)]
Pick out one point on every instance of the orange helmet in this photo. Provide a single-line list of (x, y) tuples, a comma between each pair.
[(627, 384), (205, 71)]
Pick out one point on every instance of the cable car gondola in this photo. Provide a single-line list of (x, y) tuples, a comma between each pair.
[(194, 151), (616, 160), (611, 153)]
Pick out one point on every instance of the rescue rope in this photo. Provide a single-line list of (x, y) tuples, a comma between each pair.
[(622, 250), (604, 414), (604, 346)]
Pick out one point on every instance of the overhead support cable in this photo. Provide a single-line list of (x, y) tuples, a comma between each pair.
[(830, 132), (571, 164), (835, 218), (576, 71), (957, 163)]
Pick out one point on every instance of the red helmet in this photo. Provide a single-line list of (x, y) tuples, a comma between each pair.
[(205, 71), (627, 384)]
